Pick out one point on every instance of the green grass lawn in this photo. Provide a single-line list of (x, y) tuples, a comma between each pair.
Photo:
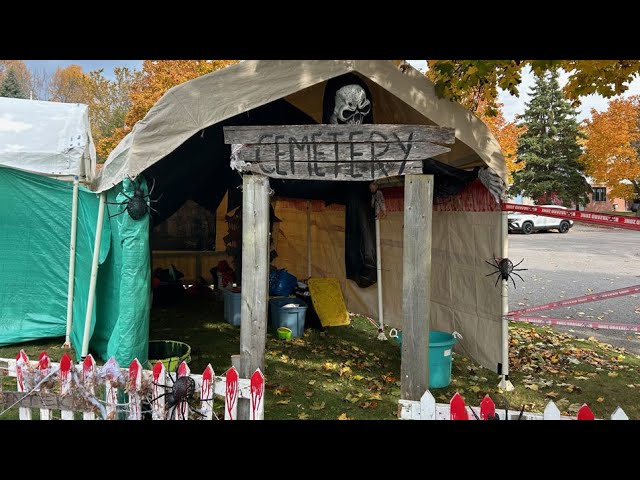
[(345, 372)]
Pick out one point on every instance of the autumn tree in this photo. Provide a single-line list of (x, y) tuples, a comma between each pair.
[(462, 80), (612, 147), (156, 78), (549, 148), (109, 102), (10, 86), (68, 85), (506, 133), (20, 71)]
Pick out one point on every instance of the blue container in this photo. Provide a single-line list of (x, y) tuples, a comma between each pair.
[(440, 347), (292, 318), (232, 307)]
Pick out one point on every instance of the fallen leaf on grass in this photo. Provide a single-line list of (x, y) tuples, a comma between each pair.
[(580, 377), (375, 396), (358, 377), (533, 387), (371, 404), (343, 416), (344, 371), (303, 416), (600, 399), (475, 389), (317, 406), (283, 402), (552, 394), (631, 385), (351, 398), (613, 374), (329, 366), (308, 394), (312, 382)]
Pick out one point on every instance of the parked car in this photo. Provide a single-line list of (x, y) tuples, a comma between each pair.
[(528, 223)]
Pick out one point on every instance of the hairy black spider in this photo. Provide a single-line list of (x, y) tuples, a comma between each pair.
[(504, 268), (137, 205), (179, 394)]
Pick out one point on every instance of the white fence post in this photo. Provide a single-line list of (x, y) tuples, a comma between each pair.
[(112, 377), (135, 382), (159, 376), (257, 396), (181, 410), (618, 414), (551, 411), (43, 368), (65, 383), (427, 406), (22, 365), (207, 392), (231, 395), (88, 381)]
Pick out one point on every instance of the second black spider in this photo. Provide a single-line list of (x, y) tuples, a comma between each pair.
[(137, 205), (504, 268)]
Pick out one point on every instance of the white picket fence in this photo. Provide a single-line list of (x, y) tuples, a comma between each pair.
[(49, 386), (428, 409)]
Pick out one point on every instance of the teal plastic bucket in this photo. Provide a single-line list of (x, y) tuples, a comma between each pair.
[(440, 348)]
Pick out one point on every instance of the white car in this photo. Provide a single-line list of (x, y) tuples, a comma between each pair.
[(528, 223)]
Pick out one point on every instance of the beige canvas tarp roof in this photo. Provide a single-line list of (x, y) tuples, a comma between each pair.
[(186, 109)]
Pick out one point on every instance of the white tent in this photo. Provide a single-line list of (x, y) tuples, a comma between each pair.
[(47, 138)]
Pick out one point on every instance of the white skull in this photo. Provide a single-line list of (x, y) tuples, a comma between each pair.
[(351, 105)]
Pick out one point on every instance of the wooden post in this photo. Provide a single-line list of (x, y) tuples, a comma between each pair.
[(255, 278), (416, 285)]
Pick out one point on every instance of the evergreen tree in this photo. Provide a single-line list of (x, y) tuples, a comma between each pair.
[(549, 148), (10, 86)]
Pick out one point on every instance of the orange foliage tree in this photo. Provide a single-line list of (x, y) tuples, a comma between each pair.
[(157, 77), (506, 133), (611, 147), (68, 85)]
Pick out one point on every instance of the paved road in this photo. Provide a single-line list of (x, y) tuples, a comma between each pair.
[(585, 260)]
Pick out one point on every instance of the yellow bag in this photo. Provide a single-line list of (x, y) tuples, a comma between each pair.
[(328, 301)]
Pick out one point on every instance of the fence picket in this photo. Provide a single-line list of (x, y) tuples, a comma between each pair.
[(22, 364), (257, 395), (112, 375), (181, 410), (585, 413), (231, 395), (65, 383), (551, 411), (618, 414), (427, 406), (207, 392), (135, 382), (88, 381), (43, 368), (159, 375), (458, 408), (487, 408), (81, 380)]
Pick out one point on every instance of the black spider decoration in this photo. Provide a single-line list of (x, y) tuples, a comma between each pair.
[(137, 205), (505, 267), (178, 396)]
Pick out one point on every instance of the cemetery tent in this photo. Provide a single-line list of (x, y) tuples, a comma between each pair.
[(180, 145)]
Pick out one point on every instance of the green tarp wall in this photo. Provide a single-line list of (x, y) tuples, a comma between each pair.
[(35, 226)]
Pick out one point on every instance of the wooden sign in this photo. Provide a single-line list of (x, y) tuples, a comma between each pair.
[(335, 152)]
